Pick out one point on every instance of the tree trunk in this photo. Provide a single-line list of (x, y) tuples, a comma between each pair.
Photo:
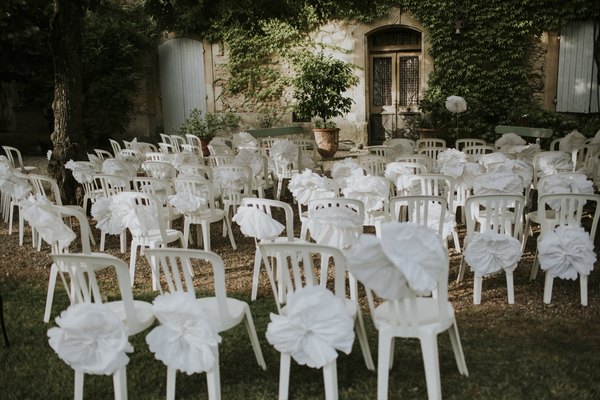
[(67, 138)]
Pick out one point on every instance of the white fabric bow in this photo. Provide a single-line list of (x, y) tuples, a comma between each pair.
[(566, 252), (343, 169), (188, 203), (373, 191), (334, 226), (13, 185), (91, 339), (521, 168), (524, 153), (50, 226), (140, 219), (491, 158), (251, 159), (309, 186), (456, 104), (244, 139), (189, 335), (134, 162), (407, 252), (257, 224), (82, 172), (571, 142), (186, 157), (557, 184), (399, 174), (117, 167), (450, 154), (284, 152), (509, 139), (498, 183), (232, 180), (403, 148), (316, 324), (434, 211), (552, 163), (489, 253), (107, 220)]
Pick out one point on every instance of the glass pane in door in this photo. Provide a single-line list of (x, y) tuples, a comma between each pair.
[(382, 81)]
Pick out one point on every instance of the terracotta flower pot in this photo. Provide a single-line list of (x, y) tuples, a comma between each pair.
[(327, 141), (204, 142)]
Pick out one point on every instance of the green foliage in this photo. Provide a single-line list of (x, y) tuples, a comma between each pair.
[(435, 113), (319, 88), (269, 117), (206, 127), (114, 40)]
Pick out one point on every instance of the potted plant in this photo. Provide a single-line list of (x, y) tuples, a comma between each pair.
[(319, 88), (206, 127)]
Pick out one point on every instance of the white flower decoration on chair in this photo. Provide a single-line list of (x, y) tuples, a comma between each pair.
[(186, 157), (140, 219), (407, 252), (467, 178), (371, 190), (50, 226), (82, 172), (96, 162), (309, 186), (553, 163), (521, 168), (334, 226), (557, 184), (343, 169), (524, 153), (498, 183), (456, 104), (49, 155), (434, 212), (188, 203), (450, 154), (257, 224), (107, 220), (316, 324), (251, 159), (571, 142), (14, 186), (244, 139), (91, 339), (399, 174), (284, 152), (508, 140), (188, 335), (134, 162), (566, 252), (232, 180), (117, 167), (491, 158), (489, 253)]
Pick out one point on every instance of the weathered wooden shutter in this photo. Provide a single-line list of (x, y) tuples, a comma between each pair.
[(182, 80), (577, 89)]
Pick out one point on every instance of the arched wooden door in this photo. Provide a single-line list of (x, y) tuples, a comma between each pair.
[(395, 63), (182, 80)]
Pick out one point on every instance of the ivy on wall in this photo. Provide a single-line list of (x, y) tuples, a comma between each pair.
[(485, 64)]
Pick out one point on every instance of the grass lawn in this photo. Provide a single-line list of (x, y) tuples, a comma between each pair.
[(511, 354)]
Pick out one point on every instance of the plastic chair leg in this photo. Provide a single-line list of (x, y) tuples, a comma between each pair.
[(383, 363), (458, 351), (231, 238), (22, 229), (10, 219), (510, 288), (120, 384), (253, 337), (78, 385), (50, 295), (102, 240), (171, 377), (584, 289), (361, 333), (256, 273), (325, 270), (213, 379), (205, 235), (456, 242), (548, 288), (535, 267), (461, 270), (432, 365), (123, 241), (477, 283), (330, 379), (132, 258), (155, 278), (186, 234), (284, 375), (526, 233)]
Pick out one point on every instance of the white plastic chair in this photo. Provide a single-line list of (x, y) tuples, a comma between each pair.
[(407, 144), (499, 219), (171, 265), (570, 214), (111, 185), (431, 152), (159, 169), (193, 140), (220, 150), (309, 147), (136, 315), (233, 198), (268, 206), (294, 253), (158, 236), (467, 142), (57, 269), (166, 138), (374, 164), (384, 151), (214, 160), (161, 188), (477, 151), (177, 142), (422, 318), (193, 149), (438, 185), (103, 154), (203, 171), (116, 147), (16, 161), (429, 142), (418, 209), (10, 203), (202, 188), (157, 157), (166, 148), (419, 159)]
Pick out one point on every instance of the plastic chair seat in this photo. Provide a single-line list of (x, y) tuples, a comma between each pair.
[(143, 311), (427, 310), (237, 310), (154, 236)]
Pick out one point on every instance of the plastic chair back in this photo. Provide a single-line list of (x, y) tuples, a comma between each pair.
[(429, 142), (417, 158), (116, 147), (418, 210), (159, 169), (374, 164), (467, 142)]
